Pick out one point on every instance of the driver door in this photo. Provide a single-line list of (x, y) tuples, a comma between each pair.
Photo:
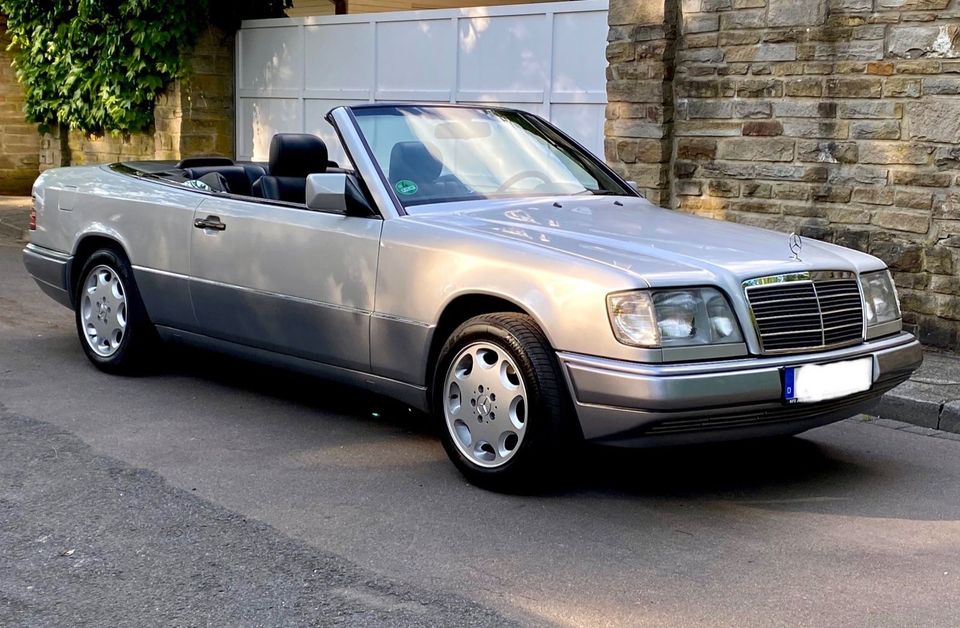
[(286, 279)]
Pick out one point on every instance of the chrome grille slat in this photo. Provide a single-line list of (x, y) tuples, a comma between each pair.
[(846, 309), (837, 295), (818, 330), (780, 316), (804, 311), (835, 327)]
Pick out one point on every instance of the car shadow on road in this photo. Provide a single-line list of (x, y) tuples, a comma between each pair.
[(721, 468), (801, 472), (323, 396)]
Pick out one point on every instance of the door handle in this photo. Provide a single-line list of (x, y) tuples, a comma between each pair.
[(210, 222)]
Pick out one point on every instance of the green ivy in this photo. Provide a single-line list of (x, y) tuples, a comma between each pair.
[(99, 65)]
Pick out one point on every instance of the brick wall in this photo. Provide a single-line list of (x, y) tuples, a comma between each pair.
[(837, 119), (19, 142)]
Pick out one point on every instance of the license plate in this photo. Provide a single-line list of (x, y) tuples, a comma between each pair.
[(818, 382)]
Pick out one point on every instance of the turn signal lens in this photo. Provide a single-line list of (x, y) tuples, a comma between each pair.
[(631, 314), (880, 301)]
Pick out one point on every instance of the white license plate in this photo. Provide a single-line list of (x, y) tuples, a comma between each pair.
[(819, 382)]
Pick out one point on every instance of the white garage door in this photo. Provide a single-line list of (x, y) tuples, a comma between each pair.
[(545, 58)]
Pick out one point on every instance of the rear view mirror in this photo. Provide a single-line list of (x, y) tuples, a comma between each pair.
[(336, 192), (462, 130)]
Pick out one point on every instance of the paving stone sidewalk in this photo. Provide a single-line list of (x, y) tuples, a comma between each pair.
[(931, 399)]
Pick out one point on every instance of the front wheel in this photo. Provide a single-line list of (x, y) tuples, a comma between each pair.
[(499, 394), (112, 323)]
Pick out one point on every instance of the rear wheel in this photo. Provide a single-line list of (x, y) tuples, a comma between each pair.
[(112, 323), (498, 393)]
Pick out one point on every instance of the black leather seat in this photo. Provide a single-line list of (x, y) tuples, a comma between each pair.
[(420, 163), (292, 157), (216, 182), (239, 178)]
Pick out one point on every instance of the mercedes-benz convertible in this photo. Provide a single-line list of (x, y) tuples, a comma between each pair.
[(481, 266)]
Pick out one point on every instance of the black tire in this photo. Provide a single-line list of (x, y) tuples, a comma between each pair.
[(139, 336), (552, 433)]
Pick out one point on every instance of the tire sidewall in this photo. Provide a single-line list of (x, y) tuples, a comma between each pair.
[(124, 357), (541, 419)]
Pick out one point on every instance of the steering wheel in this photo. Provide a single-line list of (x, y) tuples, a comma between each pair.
[(520, 176)]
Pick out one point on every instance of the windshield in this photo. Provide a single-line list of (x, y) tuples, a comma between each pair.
[(445, 154)]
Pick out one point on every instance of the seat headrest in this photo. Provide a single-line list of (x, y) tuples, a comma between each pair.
[(297, 155), (416, 161)]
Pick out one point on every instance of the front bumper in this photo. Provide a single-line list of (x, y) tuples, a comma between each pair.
[(51, 270), (636, 404)]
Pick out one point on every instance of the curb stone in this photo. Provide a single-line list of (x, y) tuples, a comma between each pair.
[(908, 427), (930, 399), (950, 417)]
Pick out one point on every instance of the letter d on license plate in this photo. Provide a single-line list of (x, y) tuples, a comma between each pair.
[(819, 382)]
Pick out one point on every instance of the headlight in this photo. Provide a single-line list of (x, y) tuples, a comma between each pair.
[(880, 298), (671, 318)]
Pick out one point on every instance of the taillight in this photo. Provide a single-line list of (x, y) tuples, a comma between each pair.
[(32, 225)]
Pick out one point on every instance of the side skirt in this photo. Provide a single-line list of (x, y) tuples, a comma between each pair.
[(413, 396)]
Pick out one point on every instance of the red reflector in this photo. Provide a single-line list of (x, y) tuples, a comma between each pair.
[(32, 225)]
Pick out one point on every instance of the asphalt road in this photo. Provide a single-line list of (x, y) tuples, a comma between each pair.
[(219, 492)]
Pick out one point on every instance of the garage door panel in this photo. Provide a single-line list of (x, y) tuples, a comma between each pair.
[(260, 118), (410, 57), (504, 54), (548, 59), (339, 56)]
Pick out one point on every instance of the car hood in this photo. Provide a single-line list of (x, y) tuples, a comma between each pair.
[(660, 246)]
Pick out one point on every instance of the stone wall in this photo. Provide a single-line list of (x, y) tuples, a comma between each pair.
[(194, 116), (639, 127), (19, 142), (837, 119)]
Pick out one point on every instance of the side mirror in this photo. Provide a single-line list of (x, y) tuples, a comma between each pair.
[(633, 185), (336, 192)]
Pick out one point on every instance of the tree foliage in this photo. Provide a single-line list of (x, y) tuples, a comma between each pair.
[(99, 65)]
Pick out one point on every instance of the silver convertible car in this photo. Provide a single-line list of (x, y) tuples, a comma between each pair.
[(479, 265)]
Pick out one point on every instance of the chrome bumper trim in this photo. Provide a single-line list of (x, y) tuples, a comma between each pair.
[(613, 396)]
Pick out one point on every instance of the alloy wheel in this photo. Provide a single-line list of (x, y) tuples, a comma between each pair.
[(103, 310), (485, 404)]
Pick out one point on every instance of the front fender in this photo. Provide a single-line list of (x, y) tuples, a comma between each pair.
[(424, 268)]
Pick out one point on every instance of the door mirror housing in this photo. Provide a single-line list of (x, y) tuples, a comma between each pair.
[(337, 192)]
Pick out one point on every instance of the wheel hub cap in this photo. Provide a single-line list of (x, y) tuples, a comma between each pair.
[(486, 404), (103, 310)]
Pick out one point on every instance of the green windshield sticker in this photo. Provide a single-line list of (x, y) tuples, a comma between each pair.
[(406, 187)]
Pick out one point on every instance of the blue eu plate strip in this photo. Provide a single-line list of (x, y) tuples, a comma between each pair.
[(789, 392)]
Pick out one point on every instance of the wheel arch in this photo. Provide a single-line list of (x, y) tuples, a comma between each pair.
[(462, 308), (87, 245)]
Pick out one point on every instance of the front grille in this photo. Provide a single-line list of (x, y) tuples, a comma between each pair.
[(806, 311)]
